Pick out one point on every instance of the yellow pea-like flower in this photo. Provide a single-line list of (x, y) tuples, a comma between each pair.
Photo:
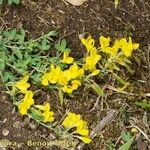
[(22, 85), (88, 43), (128, 47), (27, 102), (75, 84), (46, 113), (67, 89), (95, 72), (66, 59), (104, 42), (81, 129)]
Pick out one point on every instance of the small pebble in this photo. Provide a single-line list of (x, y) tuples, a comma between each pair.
[(32, 126), (5, 132), (76, 2), (16, 124)]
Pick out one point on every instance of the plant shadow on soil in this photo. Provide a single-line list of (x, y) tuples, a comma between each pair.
[(97, 17)]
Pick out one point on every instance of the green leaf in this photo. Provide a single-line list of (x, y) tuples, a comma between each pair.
[(10, 2), (36, 114), (97, 88), (61, 46), (18, 54), (52, 33), (126, 136), (13, 1), (54, 124), (36, 77), (20, 37), (1, 1), (143, 104), (10, 34), (16, 1), (8, 76), (44, 45), (127, 145), (2, 61), (31, 45)]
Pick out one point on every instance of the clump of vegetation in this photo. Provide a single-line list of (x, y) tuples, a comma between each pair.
[(10, 2), (47, 64)]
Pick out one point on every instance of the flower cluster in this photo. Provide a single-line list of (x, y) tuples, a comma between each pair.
[(125, 46), (46, 113), (28, 101), (69, 74), (72, 120), (92, 57), (81, 130), (68, 80)]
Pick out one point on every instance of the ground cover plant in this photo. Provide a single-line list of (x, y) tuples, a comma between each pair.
[(10, 2), (61, 86)]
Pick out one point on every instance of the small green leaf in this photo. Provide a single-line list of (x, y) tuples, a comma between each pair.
[(61, 46), (127, 145), (2, 61), (16, 1), (44, 45), (126, 136), (8, 76), (36, 114), (52, 33), (54, 124), (1, 1), (63, 43), (10, 2), (143, 104), (97, 88), (10, 34), (20, 37), (18, 54)]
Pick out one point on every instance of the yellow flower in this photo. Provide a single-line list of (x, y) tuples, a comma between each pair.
[(82, 128), (52, 76), (88, 43), (116, 2), (105, 46), (45, 78), (75, 84), (70, 88), (128, 47), (47, 114), (66, 58), (71, 120), (27, 102), (92, 58), (67, 89), (75, 121), (95, 72), (72, 73), (104, 42), (91, 61), (64, 77), (114, 49), (75, 72), (85, 139), (22, 85)]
